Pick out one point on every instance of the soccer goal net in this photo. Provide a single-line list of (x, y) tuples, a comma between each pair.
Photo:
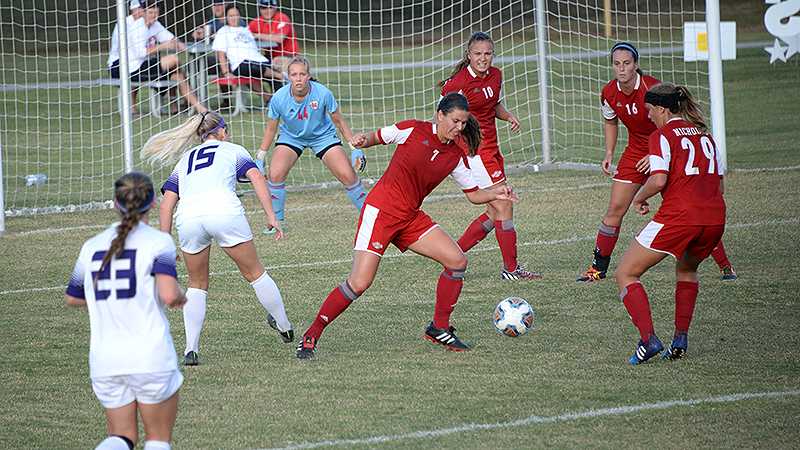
[(61, 128)]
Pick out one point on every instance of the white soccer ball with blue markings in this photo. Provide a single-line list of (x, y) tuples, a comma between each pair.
[(513, 317)]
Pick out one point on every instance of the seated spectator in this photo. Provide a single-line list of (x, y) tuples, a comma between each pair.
[(274, 26), (136, 13), (211, 27), (238, 54), (146, 38)]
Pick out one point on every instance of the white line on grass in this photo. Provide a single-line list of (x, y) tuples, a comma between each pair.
[(539, 420), (484, 248)]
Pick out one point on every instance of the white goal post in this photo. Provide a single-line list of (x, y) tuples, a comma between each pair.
[(60, 113)]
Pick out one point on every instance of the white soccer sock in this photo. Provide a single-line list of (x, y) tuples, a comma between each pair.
[(113, 443), (194, 314), (270, 298), (156, 445)]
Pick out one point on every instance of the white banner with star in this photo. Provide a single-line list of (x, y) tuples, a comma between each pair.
[(782, 20)]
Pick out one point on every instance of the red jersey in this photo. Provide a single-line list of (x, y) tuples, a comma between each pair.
[(631, 111), (279, 24), (419, 164), (689, 157), (483, 95)]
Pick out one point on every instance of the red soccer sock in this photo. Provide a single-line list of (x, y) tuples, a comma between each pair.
[(475, 232), (685, 299), (719, 256), (337, 301), (447, 291), (606, 239), (635, 299), (507, 240)]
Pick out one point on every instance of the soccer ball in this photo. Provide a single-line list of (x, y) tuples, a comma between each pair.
[(513, 317)]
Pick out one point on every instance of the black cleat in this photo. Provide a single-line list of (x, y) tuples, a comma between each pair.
[(286, 336), (447, 338), (191, 359), (306, 347)]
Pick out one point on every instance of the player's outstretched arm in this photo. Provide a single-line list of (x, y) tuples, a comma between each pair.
[(270, 130), (502, 192), (165, 211), (655, 183), (262, 193), (364, 140), (341, 123)]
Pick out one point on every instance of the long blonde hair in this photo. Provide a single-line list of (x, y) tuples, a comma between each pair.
[(169, 145)]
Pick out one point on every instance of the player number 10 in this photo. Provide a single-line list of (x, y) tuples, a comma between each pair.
[(488, 92)]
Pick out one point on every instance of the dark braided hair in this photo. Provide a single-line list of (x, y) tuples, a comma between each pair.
[(133, 196), (478, 36), (472, 129)]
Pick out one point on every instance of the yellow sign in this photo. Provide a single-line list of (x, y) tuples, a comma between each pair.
[(702, 41)]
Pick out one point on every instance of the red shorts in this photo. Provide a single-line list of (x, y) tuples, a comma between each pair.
[(487, 167), (626, 170), (376, 230), (676, 240)]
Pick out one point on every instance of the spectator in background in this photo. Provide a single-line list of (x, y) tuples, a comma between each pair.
[(275, 26), (211, 27), (238, 55), (146, 38), (136, 13)]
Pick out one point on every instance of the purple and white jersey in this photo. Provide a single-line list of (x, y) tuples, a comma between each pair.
[(205, 179), (129, 330)]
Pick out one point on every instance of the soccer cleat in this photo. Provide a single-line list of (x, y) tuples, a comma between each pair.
[(678, 347), (521, 273), (646, 350), (591, 275), (728, 274), (191, 359), (447, 338), (306, 347), (286, 336)]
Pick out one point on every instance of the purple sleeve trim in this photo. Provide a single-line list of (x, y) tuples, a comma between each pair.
[(171, 184), (242, 166), (76, 291)]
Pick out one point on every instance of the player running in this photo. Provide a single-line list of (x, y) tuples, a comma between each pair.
[(425, 156), (622, 99), (203, 188), (687, 170), (309, 117), (480, 82), (125, 276)]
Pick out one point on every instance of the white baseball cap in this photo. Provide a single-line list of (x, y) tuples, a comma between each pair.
[(135, 4)]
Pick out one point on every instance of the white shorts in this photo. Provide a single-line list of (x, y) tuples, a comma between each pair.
[(148, 388), (196, 233), (487, 170)]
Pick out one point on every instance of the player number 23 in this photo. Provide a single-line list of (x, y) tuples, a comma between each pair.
[(128, 274)]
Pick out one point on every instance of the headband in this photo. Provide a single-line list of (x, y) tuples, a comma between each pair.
[(669, 101), (219, 126), (628, 47), (143, 209)]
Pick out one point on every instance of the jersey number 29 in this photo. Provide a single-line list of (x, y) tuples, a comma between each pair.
[(708, 151)]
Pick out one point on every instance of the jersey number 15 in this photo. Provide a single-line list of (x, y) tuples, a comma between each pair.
[(201, 158)]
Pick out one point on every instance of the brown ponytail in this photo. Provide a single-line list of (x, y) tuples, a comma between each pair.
[(679, 101), (133, 196), (472, 129), (477, 36), (689, 108)]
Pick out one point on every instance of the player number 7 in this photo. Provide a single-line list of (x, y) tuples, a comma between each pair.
[(435, 154)]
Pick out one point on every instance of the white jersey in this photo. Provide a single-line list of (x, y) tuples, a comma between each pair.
[(129, 329), (205, 179), (238, 44), (140, 38)]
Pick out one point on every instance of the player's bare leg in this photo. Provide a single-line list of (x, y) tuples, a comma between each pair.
[(122, 422), (338, 164), (440, 247), (159, 419), (621, 197), (170, 63)]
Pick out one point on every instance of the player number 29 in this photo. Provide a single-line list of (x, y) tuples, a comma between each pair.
[(708, 151)]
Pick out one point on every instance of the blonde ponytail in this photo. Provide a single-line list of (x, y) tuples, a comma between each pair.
[(168, 146)]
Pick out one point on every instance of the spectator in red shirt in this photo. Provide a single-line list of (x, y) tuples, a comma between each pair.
[(275, 26)]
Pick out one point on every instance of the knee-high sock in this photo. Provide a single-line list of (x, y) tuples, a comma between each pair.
[(635, 299), (507, 240), (156, 445), (685, 299), (356, 194), (447, 291), (115, 442), (339, 299), (270, 298), (194, 315), (475, 232), (278, 194), (606, 239), (720, 257)]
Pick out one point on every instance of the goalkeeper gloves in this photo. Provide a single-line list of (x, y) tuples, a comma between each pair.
[(358, 160)]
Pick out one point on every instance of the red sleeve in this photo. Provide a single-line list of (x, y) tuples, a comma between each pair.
[(660, 157), (451, 85), (253, 26)]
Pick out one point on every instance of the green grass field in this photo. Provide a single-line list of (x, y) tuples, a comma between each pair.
[(377, 384)]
